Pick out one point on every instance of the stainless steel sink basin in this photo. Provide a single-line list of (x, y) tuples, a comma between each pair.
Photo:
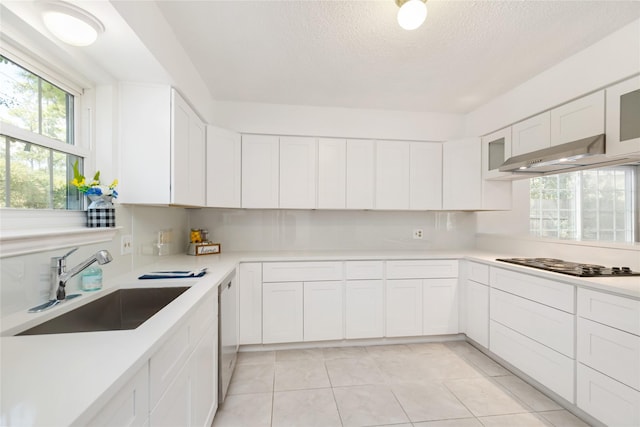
[(119, 310)]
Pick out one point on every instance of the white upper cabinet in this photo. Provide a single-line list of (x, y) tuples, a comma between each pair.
[(531, 135), (425, 181), (392, 175), (224, 157), (260, 171), (461, 177), (332, 173), (188, 154), (360, 174), (623, 118), (162, 147), (496, 148), (298, 160), (579, 119)]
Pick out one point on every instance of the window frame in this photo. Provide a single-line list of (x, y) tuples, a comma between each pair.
[(632, 204), (82, 146)]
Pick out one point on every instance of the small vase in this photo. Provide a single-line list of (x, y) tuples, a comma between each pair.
[(101, 212)]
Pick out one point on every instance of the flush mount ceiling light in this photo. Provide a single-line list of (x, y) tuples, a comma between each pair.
[(412, 13), (71, 24)]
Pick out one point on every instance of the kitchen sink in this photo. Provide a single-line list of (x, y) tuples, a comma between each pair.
[(119, 310)]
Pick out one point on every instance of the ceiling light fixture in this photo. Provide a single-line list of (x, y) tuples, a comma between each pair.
[(71, 24), (412, 13)]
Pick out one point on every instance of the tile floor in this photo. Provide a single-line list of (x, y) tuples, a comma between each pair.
[(421, 385)]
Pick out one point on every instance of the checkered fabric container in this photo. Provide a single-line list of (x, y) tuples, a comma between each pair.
[(101, 217)]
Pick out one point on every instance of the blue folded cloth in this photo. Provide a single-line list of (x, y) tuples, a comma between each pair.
[(173, 274)]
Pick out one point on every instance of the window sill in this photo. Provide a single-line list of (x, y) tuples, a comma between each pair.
[(27, 231), (22, 242)]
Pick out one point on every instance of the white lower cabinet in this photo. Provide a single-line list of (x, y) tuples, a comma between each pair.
[(130, 406), (552, 369), (250, 294), (609, 401), (440, 306), (183, 373), (477, 310), (323, 311), (546, 325), (404, 307), (282, 316), (609, 357), (364, 309)]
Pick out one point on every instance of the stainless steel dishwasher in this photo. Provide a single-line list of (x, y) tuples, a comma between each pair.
[(227, 333)]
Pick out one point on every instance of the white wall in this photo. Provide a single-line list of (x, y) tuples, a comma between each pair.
[(289, 230), (611, 59), (336, 122)]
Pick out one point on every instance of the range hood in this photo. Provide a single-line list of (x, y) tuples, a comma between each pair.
[(581, 154)]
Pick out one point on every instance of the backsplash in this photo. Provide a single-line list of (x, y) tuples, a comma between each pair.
[(24, 280), (276, 230)]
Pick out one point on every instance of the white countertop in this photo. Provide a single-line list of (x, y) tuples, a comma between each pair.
[(64, 379)]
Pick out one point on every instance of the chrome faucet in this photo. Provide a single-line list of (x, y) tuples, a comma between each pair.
[(60, 275)]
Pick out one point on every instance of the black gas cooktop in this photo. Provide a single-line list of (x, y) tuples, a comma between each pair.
[(572, 268)]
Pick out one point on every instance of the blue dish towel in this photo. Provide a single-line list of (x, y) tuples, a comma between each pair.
[(172, 275)]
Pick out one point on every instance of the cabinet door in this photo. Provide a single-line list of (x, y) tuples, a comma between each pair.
[(224, 157), (496, 148), (130, 406), (477, 306), (250, 281), (579, 119), (461, 175), (531, 135), (392, 175), (404, 308), (145, 136), (440, 306), (260, 171), (323, 311), (174, 407), (364, 309), (282, 318), (187, 154), (360, 174), (332, 173), (203, 372), (623, 110), (298, 172), (425, 180)]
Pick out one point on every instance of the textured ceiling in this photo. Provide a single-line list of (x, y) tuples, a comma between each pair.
[(353, 53)]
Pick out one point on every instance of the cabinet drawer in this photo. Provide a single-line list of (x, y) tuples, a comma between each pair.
[(546, 325), (607, 400), (548, 292), (619, 312), (301, 271), (478, 272), (422, 269), (363, 270), (550, 368), (202, 318), (610, 351)]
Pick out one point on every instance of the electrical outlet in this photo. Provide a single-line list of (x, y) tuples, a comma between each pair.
[(125, 245), (417, 233)]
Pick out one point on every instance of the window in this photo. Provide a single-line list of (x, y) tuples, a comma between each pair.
[(37, 141), (598, 204)]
